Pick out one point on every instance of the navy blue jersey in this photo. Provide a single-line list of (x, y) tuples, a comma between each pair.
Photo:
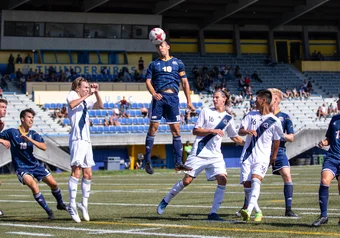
[(21, 151), (165, 74), (333, 136), (287, 126)]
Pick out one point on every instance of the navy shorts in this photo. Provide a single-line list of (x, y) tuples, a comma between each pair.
[(38, 173), (167, 107), (332, 165), (281, 161)]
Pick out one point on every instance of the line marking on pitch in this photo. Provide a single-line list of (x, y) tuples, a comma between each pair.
[(27, 233)]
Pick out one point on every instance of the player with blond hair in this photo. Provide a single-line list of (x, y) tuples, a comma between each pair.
[(83, 96)]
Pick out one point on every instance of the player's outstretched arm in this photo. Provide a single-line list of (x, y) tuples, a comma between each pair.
[(5, 143), (39, 145), (186, 89), (74, 103), (205, 132), (289, 137), (244, 132)]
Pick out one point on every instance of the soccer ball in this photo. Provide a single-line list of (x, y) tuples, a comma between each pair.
[(157, 36)]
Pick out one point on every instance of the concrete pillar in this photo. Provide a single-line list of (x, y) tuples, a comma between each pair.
[(271, 45), (237, 41), (337, 45), (201, 45), (306, 51)]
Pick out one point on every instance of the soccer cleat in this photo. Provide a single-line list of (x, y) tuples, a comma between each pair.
[(245, 215), (61, 206), (321, 220), (50, 215), (290, 213), (238, 213), (84, 211), (148, 168), (214, 217), (258, 216), (182, 167), (2, 213), (161, 207), (74, 213), (339, 222)]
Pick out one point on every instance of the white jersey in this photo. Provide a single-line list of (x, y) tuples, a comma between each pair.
[(79, 130), (210, 145), (268, 128)]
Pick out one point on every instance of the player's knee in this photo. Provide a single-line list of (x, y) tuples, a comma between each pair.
[(247, 184), (187, 181), (221, 179), (87, 176)]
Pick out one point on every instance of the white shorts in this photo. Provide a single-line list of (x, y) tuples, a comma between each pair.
[(81, 154), (212, 166), (249, 168)]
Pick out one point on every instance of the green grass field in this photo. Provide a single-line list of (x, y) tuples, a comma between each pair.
[(123, 204)]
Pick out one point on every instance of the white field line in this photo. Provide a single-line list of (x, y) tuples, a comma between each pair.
[(104, 231), (170, 205), (27, 233)]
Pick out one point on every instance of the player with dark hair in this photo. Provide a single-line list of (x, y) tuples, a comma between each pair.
[(163, 79), (263, 132), (206, 153), (330, 167), (28, 168)]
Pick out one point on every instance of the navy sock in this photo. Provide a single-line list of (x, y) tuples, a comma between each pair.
[(148, 147), (288, 192), (323, 199), (42, 202), (57, 194), (178, 148)]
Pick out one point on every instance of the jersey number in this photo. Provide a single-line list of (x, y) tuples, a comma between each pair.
[(23, 145), (167, 69)]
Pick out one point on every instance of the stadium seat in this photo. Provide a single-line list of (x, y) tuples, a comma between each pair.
[(140, 105), (92, 113), (147, 105), (111, 105), (128, 121), (134, 121), (98, 113), (162, 128), (132, 113), (112, 129), (138, 113), (95, 121), (93, 129), (140, 129), (146, 121), (100, 129), (199, 104), (47, 105), (140, 121), (183, 105), (129, 129), (134, 129), (195, 104), (110, 112), (134, 105), (124, 129), (106, 129), (118, 129), (59, 105), (66, 121), (123, 121), (52, 106), (106, 105), (103, 113)]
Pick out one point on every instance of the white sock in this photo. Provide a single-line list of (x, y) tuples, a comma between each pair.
[(247, 192), (218, 198), (72, 189), (178, 187), (255, 193), (85, 188)]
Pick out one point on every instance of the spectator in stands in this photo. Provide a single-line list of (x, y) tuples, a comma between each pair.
[(251, 101), (288, 93), (1, 92), (249, 92), (247, 81), (256, 77), (205, 69), (68, 75), (187, 116), (295, 94), (302, 91), (320, 56), (309, 87), (229, 109), (124, 104), (106, 122), (62, 76), (116, 111), (91, 122), (182, 119), (237, 73), (314, 55), (141, 65), (63, 111), (19, 74), (332, 109), (241, 83), (322, 111), (18, 60), (239, 99), (233, 99), (114, 120), (10, 65), (137, 76), (126, 75), (144, 111), (28, 59)]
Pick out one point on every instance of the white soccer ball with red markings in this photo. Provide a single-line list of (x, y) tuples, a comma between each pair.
[(157, 36)]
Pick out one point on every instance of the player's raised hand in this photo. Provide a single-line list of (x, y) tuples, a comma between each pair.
[(25, 137), (191, 107), (94, 88), (5, 143)]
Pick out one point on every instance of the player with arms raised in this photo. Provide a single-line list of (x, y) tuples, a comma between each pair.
[(206, 153), (163, 78)]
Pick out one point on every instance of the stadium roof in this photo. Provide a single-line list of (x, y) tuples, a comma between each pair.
[(274, 13)]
